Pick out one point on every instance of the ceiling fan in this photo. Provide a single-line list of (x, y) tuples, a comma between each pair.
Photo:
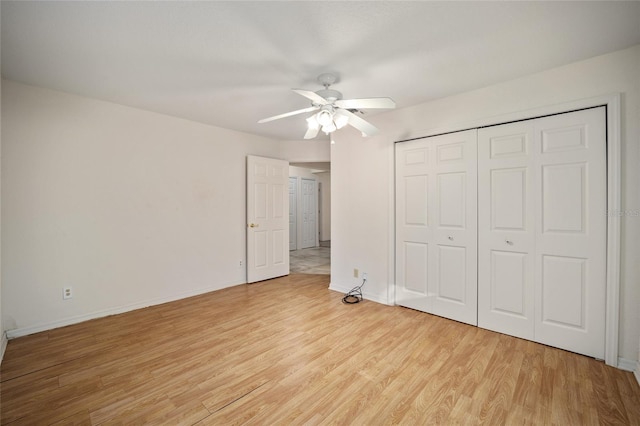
[(333, 111)]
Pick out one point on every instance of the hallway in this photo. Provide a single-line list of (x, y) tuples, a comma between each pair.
[(314, 260)]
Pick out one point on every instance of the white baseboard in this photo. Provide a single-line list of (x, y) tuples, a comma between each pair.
[(19, 332), (344, 289), (3, 345), (626, 365), (637, 372)]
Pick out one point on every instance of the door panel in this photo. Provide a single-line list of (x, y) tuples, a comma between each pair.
[(436, 225), (416, 257), (413, 230), (260, 199), (260, 249), (267, 218), (563, 291), (571, 231), (564, 138), (508, 189), (563, 198), (451, 277), (451, 200), (415, 206), (509, 146), (505, 229), (508, 283), (279, 245)]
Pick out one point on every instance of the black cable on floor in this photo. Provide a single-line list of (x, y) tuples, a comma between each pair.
[(355, 295)]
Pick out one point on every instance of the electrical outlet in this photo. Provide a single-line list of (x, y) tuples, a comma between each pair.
[(356, 273), (67, 293), (364, 276), (241, 264)]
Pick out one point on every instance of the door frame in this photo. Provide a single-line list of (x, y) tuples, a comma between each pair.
[(612, 104)]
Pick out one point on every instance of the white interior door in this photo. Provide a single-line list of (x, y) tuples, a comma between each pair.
[(293, 213), (436, 232), (309, 197), (267, 218), (542, 230)]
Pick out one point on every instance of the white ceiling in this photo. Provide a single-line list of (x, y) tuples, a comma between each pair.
[(231, 63)]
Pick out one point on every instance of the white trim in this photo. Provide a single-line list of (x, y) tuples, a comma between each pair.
[(613, 231), (612, 102), (19, 332), (637, 372), (391, 289), (3, 345), (626, 365)]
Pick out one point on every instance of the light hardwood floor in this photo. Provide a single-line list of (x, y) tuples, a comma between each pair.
[(287, 351)]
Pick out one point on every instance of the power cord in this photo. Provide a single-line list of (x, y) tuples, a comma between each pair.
[(355, 295)]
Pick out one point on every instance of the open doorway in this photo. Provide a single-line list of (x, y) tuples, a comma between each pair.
[(310, 218)]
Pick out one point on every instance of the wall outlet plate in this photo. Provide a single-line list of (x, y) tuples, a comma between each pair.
[(67, 293)]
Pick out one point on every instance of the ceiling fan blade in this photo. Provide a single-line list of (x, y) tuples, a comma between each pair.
[(313, 96), (364, 126), (312, 127), (311, 133), (289, 114), (368, 103)]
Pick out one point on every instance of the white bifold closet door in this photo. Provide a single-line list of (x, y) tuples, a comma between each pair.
[(436, 225), (542, 230)]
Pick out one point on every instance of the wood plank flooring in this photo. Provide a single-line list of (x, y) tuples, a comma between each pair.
[(287, 351)]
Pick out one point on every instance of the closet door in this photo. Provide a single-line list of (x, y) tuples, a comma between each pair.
[(570, 270), (542, 230), (506, 251), (436, 226)]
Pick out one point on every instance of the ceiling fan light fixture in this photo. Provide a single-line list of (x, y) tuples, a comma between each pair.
[(312, 123), (328, 128), (325, 116), (340, 120)]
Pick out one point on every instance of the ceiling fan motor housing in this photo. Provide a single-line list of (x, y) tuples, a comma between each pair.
[(330, 94)]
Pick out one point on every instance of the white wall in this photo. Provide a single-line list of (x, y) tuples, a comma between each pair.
[(307, 151), (128, 207), (362, 191)]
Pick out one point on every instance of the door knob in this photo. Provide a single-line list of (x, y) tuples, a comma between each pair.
[(509, 242), (253, 225), (450, 238)]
